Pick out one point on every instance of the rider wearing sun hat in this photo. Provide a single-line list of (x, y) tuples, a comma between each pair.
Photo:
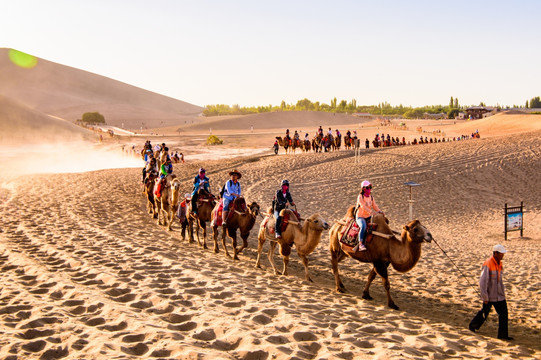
[(231, 192), (366, 205)]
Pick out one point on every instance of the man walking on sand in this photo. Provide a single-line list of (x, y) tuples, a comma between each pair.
[(493, 293)]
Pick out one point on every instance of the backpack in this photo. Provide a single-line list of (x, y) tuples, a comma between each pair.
[(222, 190)]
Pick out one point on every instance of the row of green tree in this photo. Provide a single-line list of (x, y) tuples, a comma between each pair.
[(344, 106), (534, 103)]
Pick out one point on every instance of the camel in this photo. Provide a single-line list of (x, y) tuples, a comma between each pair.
[(205, 204), (149, 194), (348, 142), (381, 251), (305, 238), (168, 202), (317, 143), (307, 146), (337, 142), (284, 143), (242, 218)]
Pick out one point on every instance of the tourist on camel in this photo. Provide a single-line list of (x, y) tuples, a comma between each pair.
[(200, 180), (354, 134), (165, 169), (338, 134), (329, 132), (306, 137), (281, 198), (320, 131), (231, 192), (366, 205), (348, 133)]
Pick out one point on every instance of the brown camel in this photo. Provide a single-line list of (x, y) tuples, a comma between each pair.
[(149, 194), (205, 204), (305, 238), (337, 142), (317, 143), (307, 146), (168, 202), (242, 218), (284, 143), (347, 142), (381, 251)]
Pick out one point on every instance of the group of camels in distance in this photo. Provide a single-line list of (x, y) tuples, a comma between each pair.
[(319, 143), (383, 247)]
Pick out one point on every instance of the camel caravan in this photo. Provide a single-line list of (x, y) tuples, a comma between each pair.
[(362, 234)]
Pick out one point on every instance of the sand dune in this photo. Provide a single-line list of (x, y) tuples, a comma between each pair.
[(86, 273), (67, 92)]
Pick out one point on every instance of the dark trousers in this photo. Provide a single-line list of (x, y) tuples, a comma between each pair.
[(482, 315), (278, 225), (194, 203)]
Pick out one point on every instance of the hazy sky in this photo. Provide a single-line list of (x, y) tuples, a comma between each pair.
[(262, 52)]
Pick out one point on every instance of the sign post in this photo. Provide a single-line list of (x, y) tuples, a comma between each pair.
[(411, 184), (513, 219)]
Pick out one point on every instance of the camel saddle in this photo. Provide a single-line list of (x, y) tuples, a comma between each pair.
[(351, 238), (218, 219), (159, 186), (271, 228)]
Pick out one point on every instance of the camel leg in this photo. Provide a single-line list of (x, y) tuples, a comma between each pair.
[(260, 242), (285, 259), (223, 242), (271, 257), (371, 277), (336, 257), (190, 230), (233, 237), (204, 226), (304, 260), (244, 238), (197, 226), (382, 270), (215, 237), (170, 220)]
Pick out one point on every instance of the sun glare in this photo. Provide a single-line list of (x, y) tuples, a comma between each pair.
[(22, 59)]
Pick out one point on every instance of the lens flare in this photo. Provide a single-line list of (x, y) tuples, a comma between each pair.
[(22, 59)]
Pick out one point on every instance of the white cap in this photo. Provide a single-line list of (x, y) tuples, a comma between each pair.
[(499, 248), (187, 195)]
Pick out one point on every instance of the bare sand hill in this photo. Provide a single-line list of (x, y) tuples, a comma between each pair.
[(20, 125), (295, 120), (86, 273), (67, 92)]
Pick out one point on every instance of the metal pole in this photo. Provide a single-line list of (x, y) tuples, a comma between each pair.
[(411, 203), (522, 217), (505, 222)]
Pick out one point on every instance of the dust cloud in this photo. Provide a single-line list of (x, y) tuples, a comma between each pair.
[(63, 157)]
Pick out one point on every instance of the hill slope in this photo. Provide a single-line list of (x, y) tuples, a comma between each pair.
[(67, 92), (20, 124)]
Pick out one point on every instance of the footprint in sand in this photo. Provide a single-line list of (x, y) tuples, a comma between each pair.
[(137, 350)]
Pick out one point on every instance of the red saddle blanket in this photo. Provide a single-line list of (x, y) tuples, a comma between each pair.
[(271, 223), (351, 237)]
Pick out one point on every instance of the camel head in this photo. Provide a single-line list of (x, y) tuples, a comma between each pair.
[(175, 184), (254, 209), (316, 222), (416, 232)]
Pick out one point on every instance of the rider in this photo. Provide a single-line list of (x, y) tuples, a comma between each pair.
[(200, 180), (280, 201), (320, 131), (231, 191), (338, 135), (165, 169), (296, 137), (306, 137), (366, 206), (348, 133)]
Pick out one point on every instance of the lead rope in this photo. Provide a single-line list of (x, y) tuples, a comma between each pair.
[(461, 273)]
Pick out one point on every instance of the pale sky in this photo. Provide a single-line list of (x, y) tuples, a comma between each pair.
[(252, 53)]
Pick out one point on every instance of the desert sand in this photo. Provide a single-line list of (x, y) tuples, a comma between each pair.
[(86, 273)]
